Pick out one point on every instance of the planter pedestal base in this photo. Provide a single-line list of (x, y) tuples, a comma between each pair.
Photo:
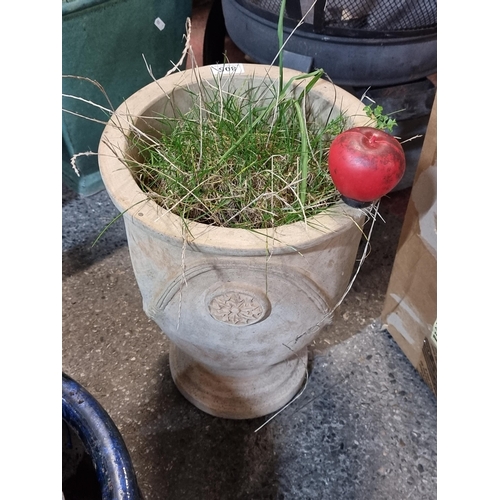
[(238, 395)]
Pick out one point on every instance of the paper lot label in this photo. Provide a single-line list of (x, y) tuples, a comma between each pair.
[(227, 69)]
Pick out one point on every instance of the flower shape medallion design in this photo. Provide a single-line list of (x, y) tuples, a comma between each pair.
[(236, 308)]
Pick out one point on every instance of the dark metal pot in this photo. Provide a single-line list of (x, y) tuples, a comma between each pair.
[(357, 52)]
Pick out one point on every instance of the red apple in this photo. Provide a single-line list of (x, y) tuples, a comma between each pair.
[(365, 163)]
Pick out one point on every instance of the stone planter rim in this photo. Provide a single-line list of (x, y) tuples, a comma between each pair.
[(133, 202)]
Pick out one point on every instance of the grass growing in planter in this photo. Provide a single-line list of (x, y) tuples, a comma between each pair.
[(241, 159), (252, 158)]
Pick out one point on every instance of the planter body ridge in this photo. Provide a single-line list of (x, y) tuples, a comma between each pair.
[(239, 307)]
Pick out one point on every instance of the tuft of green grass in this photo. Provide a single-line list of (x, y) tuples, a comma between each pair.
[(241, 160), (252, 159)]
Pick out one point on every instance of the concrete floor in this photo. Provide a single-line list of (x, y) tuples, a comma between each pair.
[(364, 429)]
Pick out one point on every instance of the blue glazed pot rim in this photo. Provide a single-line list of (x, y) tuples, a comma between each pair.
[(102, 441)]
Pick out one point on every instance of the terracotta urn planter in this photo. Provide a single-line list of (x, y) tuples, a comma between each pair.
[(239, 306)]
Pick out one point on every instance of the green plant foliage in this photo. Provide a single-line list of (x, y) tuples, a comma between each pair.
[(383, 122), (240, 161)]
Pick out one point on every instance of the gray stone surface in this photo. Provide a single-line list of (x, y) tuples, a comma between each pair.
[(363, 429), (83, 221)]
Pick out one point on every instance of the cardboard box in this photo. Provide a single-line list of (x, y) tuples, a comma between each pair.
[(410, 307)]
